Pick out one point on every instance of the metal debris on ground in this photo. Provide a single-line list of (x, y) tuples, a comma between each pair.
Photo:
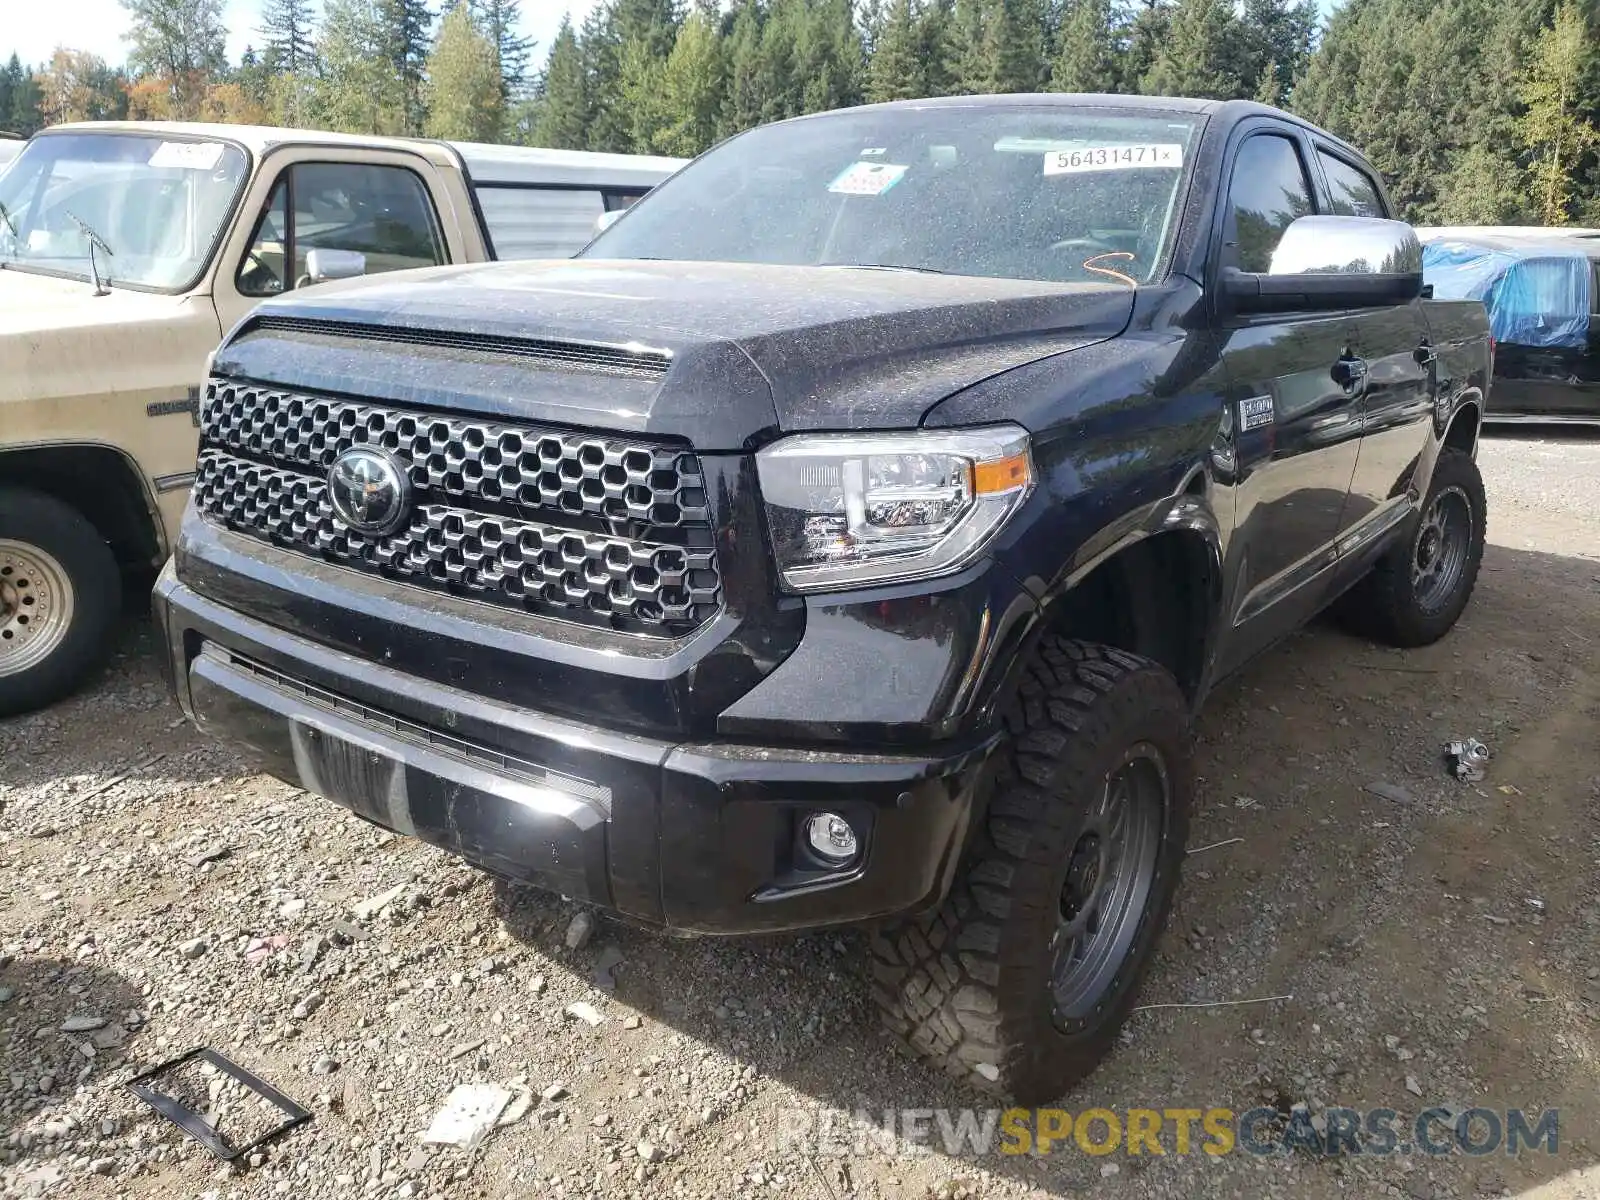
[(605, 968), (202, 1127), (468, 1116), (1467, 759)]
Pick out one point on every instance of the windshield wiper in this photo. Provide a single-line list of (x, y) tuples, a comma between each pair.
[(886, 267), (5, 219), (95, 241)]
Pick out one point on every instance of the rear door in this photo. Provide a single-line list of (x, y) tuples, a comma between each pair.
[(1295, 409), (1394, 376)]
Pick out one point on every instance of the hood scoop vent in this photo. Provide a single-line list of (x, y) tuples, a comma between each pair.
[(639, 362)]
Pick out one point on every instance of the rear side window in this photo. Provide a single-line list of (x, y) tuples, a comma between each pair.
[(1351, 190), (1269, 190), (539, 222)]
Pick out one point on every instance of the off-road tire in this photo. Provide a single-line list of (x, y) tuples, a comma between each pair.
[(967, 986), (1384, 606), (45, 524)]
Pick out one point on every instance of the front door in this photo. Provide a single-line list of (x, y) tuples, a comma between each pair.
[(378, 204), (1295, 394)]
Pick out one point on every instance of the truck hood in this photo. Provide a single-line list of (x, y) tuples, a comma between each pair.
[(736, 352), (35, 304)]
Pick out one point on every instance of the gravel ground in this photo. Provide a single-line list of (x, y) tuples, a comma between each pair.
[(1431, 942)]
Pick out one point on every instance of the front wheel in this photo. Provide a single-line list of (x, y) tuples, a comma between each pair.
[(60, 592), (1417, 591), (1020, 980)]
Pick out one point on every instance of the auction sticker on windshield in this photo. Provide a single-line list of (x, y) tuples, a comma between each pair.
[(867, 179), (1113, 158), (194, 156)]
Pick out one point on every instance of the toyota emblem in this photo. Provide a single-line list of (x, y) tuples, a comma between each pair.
[(370, 491)]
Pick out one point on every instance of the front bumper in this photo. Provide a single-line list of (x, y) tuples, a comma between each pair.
[(702, 837)]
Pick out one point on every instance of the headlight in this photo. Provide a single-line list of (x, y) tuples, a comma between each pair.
[(852, 509)]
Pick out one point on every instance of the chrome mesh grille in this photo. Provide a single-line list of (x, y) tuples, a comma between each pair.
[(583, 527)]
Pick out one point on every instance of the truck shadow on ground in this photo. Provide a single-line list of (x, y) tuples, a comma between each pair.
[(43, 994), (1397, 932)]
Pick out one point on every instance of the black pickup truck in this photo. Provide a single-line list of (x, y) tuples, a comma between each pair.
[(847, 535)]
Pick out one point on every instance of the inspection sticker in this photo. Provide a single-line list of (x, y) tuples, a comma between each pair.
[(193, 156), (867, 179), (1113, 158)]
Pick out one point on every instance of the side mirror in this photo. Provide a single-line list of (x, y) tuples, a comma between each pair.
[(1326, 263), (323, 265), (607, 219)]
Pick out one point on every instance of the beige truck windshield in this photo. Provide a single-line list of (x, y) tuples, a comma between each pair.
[(158, 205)]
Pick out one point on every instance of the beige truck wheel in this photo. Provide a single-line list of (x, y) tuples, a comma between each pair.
[(60, 592)]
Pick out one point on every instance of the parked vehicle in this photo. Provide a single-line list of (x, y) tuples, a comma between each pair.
[(1542, 291), (127, 250), (847, 534)]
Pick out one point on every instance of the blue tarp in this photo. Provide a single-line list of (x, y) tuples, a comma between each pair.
[(1537, 294)]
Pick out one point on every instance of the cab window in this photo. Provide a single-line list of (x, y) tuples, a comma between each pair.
[(1268, 191), (1351, 191), (382, 213)]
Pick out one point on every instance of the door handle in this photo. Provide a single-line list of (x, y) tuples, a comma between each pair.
[(1350, 373)]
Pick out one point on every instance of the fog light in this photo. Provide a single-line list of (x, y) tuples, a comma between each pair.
[(831, 837)]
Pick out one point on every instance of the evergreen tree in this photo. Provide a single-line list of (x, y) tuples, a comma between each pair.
[(1144, 31), (780, 83), (935, 31), (968, 62), (692, 85), (1197, 57), (563, 117), (1278, 37), (289, 29), (897, 69), (357, 89), (1013, 46), (828, 57), (501, 20), (1553, 129), (405, 25), (741, 107), (24, 115), (462, 88), (1086, 51)]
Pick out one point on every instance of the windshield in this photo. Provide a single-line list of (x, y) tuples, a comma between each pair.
[(1050, 193), (158, 204)]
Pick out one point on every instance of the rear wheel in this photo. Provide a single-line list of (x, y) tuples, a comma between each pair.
[(1020, 980), (1417, 591), (60, 592)]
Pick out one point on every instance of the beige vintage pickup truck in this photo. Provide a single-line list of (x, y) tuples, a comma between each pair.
[(128, 249)]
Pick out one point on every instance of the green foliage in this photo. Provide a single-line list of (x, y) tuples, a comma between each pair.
[(500, 21), (20, 99), (563, 117), (358, 89), (1200, 56), (289, 27), (1473, 110), (1086, 53), (692, 84), (462, 88), (1555, 130), (898, 70)]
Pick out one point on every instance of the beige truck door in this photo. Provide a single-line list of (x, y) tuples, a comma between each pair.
[(382, 210)]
